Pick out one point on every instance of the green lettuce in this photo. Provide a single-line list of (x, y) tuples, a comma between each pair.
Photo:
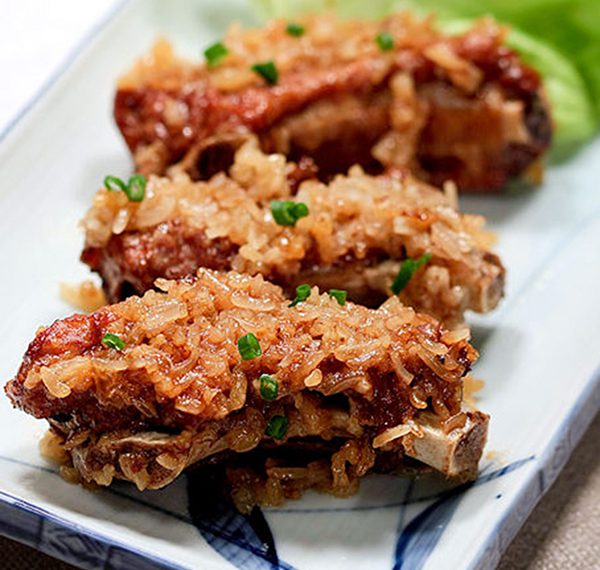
[(345, 8), (559, 38), (572, 109)]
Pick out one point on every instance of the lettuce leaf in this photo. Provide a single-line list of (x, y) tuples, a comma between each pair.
[(572, 110), (344, 8)]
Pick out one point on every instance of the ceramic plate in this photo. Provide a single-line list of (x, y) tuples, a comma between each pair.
[(539, 354)]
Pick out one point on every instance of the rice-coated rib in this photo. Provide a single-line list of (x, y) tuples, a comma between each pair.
[(453, 450), (178, 391), (464, 108), (358, 231)]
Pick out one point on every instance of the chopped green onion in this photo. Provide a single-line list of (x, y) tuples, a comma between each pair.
[(339, 295), (302, 293), (215, 53), (407, 270), (111, 340), (268, 387), (248, 347), (114, 183), (294, 29), (267, 71), (136, 188), (385, 41), (277, 427), (287, 213)]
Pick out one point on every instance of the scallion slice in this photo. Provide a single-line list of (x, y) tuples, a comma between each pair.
[(249, 347), (268, 387), (114, 183), (385, 41), (111, 340), (339, 295), (407, 270), (287, 213), (277, 427), (302, 293), (267, 71), (294, 29), (136, 188), (215, 53)]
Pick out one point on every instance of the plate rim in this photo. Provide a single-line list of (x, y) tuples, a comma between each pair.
[(536, 483), (33, 537), (8, 502)]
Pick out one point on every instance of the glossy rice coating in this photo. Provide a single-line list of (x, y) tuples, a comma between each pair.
[(358, 231), (178, 391)]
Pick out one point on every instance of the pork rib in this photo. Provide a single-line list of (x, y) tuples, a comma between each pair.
[(464, 108), (367, 384), (358, 231)]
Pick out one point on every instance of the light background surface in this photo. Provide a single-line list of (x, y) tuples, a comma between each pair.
[(37, 37)]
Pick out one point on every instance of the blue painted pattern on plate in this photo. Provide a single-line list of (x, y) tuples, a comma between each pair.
[(419, 537), (246, 541)]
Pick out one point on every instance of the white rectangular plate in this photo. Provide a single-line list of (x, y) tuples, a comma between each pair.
[(539, 354)]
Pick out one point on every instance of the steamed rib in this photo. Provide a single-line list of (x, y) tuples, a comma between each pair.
[(178, 392), (358, 231), (464, 108), (450, 450)]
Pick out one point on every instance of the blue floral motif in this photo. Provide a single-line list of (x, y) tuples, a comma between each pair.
[(422, 533), (244, 540), (247, 541), (419, 537)]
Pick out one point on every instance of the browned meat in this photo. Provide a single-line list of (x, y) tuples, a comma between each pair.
[(464, 108), (362, 382), (358, 231), (132, 261)]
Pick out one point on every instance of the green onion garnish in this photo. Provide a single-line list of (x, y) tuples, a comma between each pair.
[(277, 427), (248, 347), (385, 41), (407, 270), (268, 387), (295, 30), (287, 213), (135, 189), (114, 183), (339, 295), (302, 293), (215, 53), (111, 340), (267, 71)]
